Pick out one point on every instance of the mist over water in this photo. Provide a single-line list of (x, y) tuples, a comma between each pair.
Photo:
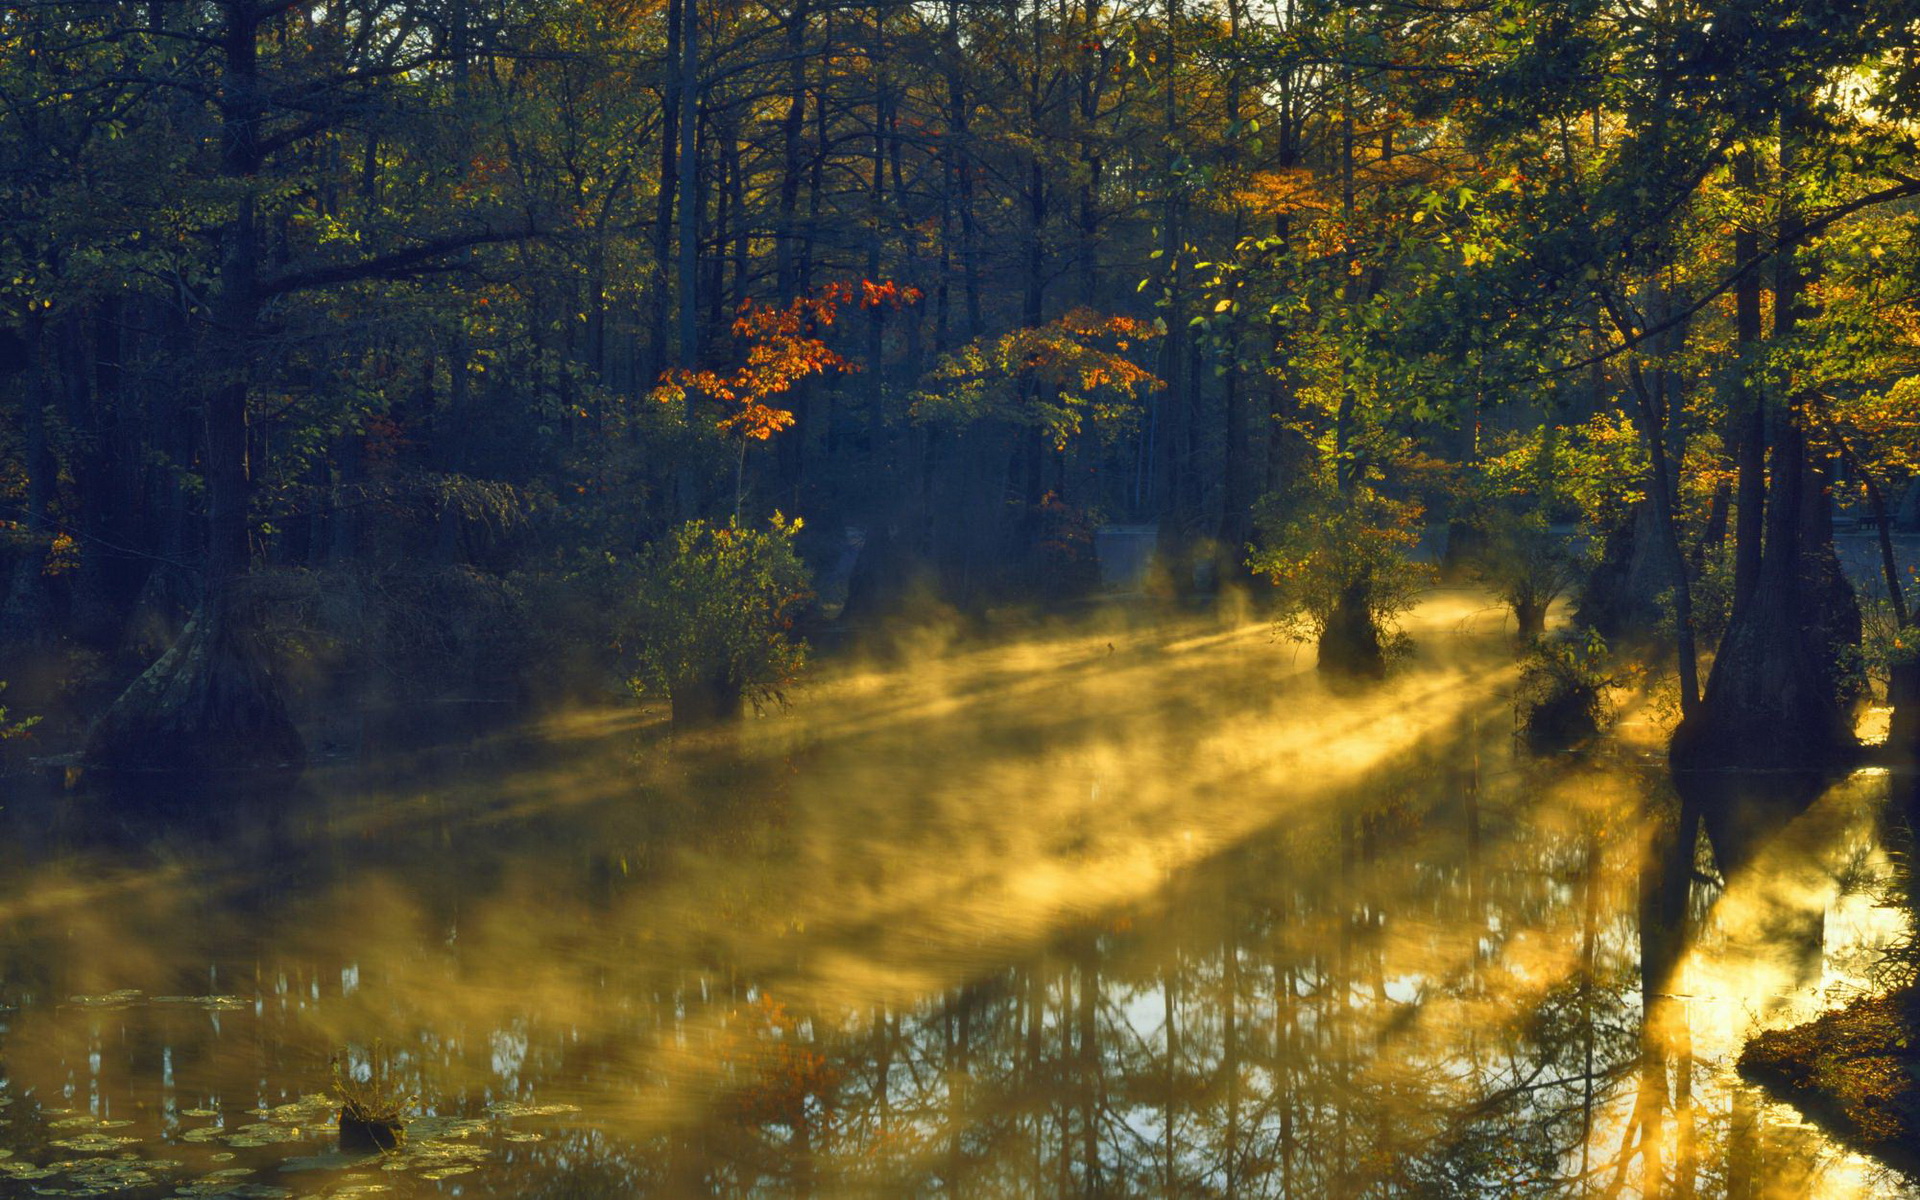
[(1113, 907)]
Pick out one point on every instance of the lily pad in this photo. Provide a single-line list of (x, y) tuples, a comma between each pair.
[(115, 999), (513, 1108), (95, 1143), (260, 1133), (311, 1109), (434, 1156), (428, 1128), (211, 1003), (332, 1160)]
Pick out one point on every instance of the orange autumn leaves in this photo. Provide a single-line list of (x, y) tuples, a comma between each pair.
[(784, 345), (1059, 375)]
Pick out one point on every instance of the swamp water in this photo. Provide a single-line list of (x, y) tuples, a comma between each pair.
[(1113, 910)]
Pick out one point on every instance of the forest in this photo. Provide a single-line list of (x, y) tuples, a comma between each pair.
[(1008, 597), (364, 349)]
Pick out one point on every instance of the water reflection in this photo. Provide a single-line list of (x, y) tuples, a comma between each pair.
[(1115, 910)]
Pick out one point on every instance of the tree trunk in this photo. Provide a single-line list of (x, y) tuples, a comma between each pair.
[(1778, 696), (210, 702), (1749, 408), (1350, 644)]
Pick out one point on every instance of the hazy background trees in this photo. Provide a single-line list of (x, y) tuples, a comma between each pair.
[(349, 322)]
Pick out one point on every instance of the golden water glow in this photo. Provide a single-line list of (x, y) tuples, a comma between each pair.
[(1124, 904)]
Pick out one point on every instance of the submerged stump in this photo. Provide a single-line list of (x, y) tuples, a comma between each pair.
[(363, 1131)]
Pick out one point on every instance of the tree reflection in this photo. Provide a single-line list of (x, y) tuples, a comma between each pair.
[(1470, 973)]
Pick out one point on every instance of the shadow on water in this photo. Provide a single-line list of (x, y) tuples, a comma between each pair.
[(1109, 910)]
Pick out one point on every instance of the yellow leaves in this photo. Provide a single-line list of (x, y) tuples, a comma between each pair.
[(1285, 190), (1054, 376), (63, 556)]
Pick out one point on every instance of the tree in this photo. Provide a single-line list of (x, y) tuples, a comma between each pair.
[(273, 85), (712, 618)]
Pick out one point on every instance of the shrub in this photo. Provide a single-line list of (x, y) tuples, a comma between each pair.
[(1562, 697), (712, 618), (1522, 561), (1341, 571), (373, 1108)]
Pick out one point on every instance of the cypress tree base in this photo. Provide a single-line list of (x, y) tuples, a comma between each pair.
[(1350, 644), (208, 705)]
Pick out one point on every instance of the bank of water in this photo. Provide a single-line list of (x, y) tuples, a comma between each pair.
[(1116, 908)]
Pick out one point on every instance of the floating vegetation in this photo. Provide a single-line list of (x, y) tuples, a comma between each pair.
[(86, 1122), (119, 999), (24, 1170), (513, 1108), (225, 1183), (436, 1160), (331, 1160), (211, 1003), (447, 1127), (518, 1136), (314, 1108), (199, 1112), (96, 1143), (260, 1133), (92, 1176)]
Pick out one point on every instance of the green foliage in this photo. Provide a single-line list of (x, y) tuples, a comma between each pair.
[(1598, 468), (1321, 548), (1524, 562), (1060, 377), (714, 607), (1885, 643), (1562, 695), (10, 728)]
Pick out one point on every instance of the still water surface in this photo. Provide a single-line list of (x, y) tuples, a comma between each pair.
[(1110, 909)]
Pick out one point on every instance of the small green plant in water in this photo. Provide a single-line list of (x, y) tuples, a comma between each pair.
[(372, 1110), (9, 728), (1342, 573), (1525, 563), (1562, 697), (712, 617)]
